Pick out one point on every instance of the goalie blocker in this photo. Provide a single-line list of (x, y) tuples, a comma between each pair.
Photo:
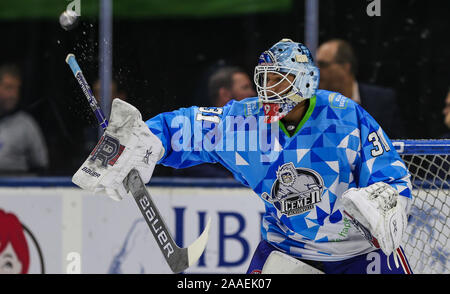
[(123, 161)]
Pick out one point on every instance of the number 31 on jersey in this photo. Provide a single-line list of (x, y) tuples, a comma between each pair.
[(379, 142)]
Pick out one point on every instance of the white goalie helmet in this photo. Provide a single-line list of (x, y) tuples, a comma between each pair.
[(285, 58)]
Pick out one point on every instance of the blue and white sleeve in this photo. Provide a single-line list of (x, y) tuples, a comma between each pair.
[(181, 133), (378, 160)]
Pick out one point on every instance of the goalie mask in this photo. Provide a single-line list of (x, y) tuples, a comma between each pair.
[(285, 58)]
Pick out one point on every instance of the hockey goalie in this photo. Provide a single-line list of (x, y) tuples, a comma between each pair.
[(336, 192)]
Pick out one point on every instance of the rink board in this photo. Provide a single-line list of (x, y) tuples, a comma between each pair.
[(79, 232), (82, 232)]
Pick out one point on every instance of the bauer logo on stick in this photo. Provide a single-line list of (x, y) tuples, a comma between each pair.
[(108, 150)]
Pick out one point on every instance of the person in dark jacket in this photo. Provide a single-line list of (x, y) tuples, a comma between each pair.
[(225, 84), (338, 69), (23, 149)]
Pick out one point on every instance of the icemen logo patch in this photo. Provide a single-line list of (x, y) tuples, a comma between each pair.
[(295, 190), (108, 150)]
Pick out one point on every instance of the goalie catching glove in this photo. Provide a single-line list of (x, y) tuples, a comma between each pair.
[(127, 143), (377, 210)]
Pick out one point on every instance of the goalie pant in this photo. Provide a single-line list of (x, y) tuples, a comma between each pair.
[(374, 262)]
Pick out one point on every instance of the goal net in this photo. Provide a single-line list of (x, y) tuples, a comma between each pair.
[(426, 240)]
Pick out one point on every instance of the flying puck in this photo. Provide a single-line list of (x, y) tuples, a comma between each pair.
[(68, 20)]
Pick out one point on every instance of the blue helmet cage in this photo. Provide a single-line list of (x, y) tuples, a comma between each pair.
[(287, 58)]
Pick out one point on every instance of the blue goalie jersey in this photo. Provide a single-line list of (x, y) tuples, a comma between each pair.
[(299, 177)]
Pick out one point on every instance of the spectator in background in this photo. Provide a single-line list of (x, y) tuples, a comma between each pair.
[(446, 112), (116, 92), (225, 84), (338, 71), (22, 145), (229, 83)]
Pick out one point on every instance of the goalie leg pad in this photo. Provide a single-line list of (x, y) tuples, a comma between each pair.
[(280, 263), (268, 260)]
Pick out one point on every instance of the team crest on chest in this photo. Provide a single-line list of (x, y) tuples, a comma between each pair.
[(295, 190)]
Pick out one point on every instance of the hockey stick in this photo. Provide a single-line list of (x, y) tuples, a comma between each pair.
[(179, 259)]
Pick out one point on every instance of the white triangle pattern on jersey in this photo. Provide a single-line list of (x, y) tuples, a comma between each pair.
[(240, 160)]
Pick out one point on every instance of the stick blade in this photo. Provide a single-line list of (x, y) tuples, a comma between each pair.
[(195, 250)]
